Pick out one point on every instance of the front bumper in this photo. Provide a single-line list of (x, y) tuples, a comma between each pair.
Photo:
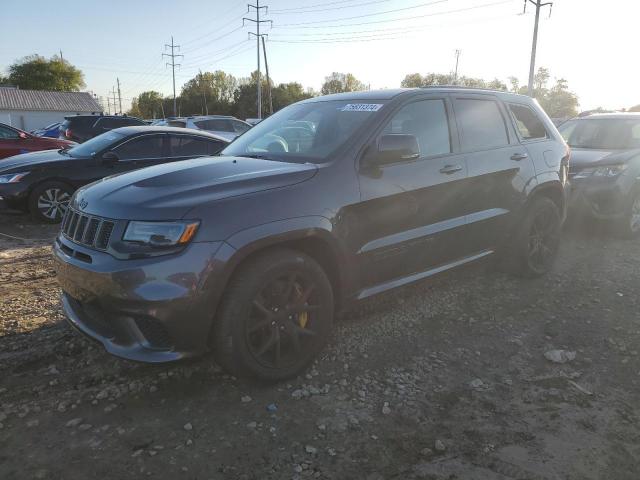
[(152, 310), (601, 198)]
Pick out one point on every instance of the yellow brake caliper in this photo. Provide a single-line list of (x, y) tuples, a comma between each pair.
[(303, 317)]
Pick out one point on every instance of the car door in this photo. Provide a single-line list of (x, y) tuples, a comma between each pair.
[(140, 151), (409, 219), (498, 168), (11, 143)]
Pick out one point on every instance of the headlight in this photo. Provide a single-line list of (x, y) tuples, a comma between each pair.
[(160, 234), (605, 171), (12, 177)]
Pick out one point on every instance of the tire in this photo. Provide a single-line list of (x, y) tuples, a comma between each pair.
[(275, 316), (534, 246), (629, 224), (48, 201)]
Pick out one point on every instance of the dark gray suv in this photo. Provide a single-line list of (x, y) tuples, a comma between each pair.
[(329, 201)]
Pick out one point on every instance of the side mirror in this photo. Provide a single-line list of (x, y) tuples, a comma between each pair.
[(396, 147), (23, 135), (110, 157)]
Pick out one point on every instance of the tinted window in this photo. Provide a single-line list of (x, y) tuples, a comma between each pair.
[(6, 133), (82, 122), (96, 144), (240, 127), (427, 120), (527, 122), (216, 124), (481, 123), (147, 146), (177, 123), (602, 133), (109, 123), (183, 146)]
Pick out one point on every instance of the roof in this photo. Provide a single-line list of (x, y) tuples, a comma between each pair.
[(387, 94), (12, 98), (617, 115), (153, 129)]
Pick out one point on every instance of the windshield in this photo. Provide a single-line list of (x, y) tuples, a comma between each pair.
[(304, 132), (90, 147), (604, 134)]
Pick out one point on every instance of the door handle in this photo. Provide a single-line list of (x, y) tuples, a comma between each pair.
[(449, 169), (519, 156)]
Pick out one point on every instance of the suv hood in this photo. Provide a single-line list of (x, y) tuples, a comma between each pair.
[(169, 191), (583, 158), (31, 159)]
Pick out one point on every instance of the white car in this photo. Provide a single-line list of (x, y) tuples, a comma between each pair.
[(224, 126)]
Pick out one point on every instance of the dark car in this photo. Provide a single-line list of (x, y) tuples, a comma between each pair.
[(329, 201), (605, 168), (43, 182), (14, 142), (81, 128)]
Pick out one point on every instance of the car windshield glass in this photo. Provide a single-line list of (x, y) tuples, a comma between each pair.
[(96, 144), (606, 134), (305, 132)]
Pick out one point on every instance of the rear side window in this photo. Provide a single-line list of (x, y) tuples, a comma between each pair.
[(216, 124), (427, 121), (176, 123), (80, 122), (182, 146), (148, 146), (8, 133), (240, 127), (109, 123), (527, 122), (481, 124)]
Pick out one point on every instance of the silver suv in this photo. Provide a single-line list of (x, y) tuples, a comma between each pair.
[(222, 125)]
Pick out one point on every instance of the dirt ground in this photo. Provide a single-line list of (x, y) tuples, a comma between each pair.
[(446, 379)]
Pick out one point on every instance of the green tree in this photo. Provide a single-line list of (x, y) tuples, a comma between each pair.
[(288, 93), (147, 105), (209, 93), (412, 80), (341, 82), (37, 73)]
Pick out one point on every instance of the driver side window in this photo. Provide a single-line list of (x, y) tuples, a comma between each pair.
[(146, 147), (8, 133), (427, 121)]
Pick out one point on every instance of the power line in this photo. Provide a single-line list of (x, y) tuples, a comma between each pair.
[(286, 12), (311, 6), (258, 36), (413, 17), (173, 64)]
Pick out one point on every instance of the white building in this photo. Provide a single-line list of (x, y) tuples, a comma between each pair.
[(32, 109)]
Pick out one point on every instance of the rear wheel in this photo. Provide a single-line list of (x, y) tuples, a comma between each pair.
[(49, 201), (536, 242), (275, 317)]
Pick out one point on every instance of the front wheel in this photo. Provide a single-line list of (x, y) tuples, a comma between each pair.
[(275, 317), (49, 201), (629, 224), (535, 245)]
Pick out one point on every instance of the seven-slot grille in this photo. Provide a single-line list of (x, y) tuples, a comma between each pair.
[(87, 230)]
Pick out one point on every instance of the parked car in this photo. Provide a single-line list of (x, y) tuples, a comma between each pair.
[(251, 253), (222, 125), (50, 131), (605, 168), (43, 182), (14, 141), (81, 128)]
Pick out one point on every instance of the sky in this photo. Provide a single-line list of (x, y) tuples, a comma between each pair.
[(587, 42)]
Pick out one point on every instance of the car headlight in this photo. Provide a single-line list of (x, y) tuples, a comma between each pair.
[(605, 171), (12, 177), (161, 234)]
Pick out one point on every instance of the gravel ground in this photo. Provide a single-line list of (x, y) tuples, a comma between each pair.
[(474, 375)]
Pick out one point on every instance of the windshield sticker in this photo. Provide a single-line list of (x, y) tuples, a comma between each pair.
[(362, 107)]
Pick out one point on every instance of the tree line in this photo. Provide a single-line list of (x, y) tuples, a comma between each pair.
[(222, 93)]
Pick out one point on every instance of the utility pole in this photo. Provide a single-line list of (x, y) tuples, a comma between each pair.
[(455, 74), (538, 4), (257, 22), (204, 94), (119, 97), (61, 59), (266, 67), (108, 104), (173, 64), (113, 91)]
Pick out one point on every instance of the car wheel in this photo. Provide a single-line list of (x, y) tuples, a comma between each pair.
[(49, 201), (275, 317), (629, 225), (535, 245)]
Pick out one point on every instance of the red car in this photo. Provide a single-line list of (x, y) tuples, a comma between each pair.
[(14, 142)]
